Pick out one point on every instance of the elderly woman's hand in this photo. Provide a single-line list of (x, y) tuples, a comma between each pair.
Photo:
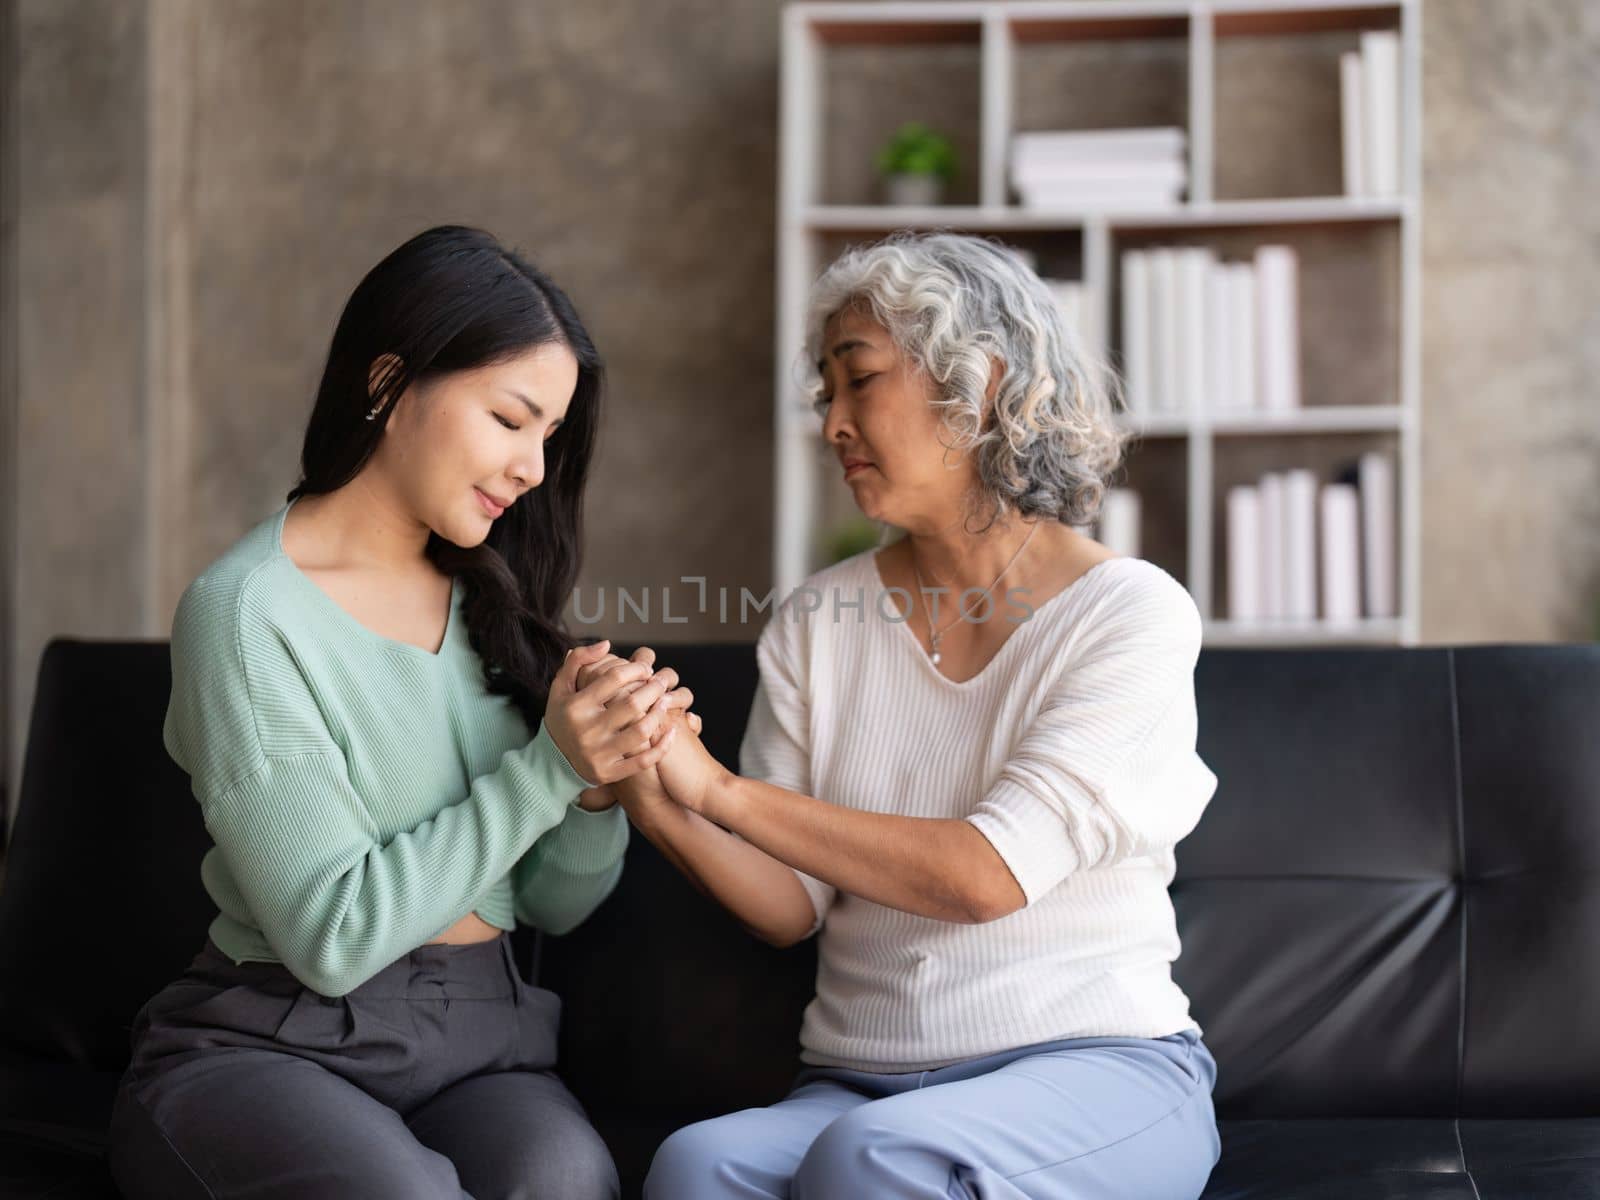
[(688, 771)]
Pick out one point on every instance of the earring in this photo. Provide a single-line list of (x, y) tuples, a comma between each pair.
[(373, 415)]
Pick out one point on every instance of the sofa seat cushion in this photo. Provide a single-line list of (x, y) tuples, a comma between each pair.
[(1407, 1159)]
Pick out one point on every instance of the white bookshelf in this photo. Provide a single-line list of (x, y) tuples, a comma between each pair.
[(808, 226)]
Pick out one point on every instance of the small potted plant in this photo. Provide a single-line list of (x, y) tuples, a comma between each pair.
[(851, 536), (916, 163)]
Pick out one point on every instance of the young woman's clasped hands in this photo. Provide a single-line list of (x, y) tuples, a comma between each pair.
[(657, 710), (612, 717)]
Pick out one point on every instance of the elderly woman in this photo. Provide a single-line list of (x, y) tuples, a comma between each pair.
[(969, 760)]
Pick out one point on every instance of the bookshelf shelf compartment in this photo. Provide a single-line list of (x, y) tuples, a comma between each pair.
[(1276, 101), (1242, 461), (1158, 471), (1349, 297), (867, 90), (1111, 74)]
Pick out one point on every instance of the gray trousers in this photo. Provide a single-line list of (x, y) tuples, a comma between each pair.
[(434, 1078)]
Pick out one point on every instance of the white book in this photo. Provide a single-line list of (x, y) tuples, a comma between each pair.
[(1244, 553), (1087, 196), (1377, 533), (1341, 554), (1352, 124), (1163, 173), (1136, 331), (1194, 267), (1119, 521), (1066, 296), (1273, 604), (1164, 329), (1219, 395), (1277, 328), (1380, 68), (1069, 297), (1300, 544), (1115, 145), (1242, 325), (1132, 168)]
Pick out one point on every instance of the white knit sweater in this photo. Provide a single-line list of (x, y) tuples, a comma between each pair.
[(1072, 751)]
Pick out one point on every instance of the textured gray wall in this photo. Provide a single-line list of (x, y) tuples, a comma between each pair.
[(198, 184), (1511, 322), (74, 490), (628, 149)]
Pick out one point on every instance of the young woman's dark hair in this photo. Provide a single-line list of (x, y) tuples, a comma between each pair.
[(450, 299)]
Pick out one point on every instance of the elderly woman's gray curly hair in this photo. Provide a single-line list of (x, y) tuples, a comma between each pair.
[(950, 302)]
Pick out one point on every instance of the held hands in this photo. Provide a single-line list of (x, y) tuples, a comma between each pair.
[(609, 716), (643, 789), (678, 698), (687, 772)]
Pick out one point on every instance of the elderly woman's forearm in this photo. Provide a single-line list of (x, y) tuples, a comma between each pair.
[(944, 869), (761, 893)]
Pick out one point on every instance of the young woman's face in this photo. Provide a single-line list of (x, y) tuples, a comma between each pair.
[(880, 421), (469, 439)]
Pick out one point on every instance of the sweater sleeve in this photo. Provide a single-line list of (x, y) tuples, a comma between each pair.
[(571, 869), (1107, 769), (334, 901), (776, 747)]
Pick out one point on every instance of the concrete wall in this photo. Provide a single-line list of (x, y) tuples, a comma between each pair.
[(196, 185)]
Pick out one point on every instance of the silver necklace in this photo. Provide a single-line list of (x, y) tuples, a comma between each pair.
[(935, 635)]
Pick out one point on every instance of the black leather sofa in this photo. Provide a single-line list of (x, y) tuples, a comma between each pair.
[(1390, 918)]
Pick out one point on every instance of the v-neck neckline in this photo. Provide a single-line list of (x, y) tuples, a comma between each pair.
[(389, 643), (1016, 635)]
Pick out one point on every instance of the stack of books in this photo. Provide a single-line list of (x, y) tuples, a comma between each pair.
[(1117, 526), (1120, 169), (1200, 334), (1287, 542), (1369, 112), (1071, 297)]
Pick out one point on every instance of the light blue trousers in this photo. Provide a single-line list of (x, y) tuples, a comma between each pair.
[(1098, 1118)]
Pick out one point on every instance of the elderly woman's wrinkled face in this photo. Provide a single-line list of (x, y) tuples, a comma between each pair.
[(879, 419)]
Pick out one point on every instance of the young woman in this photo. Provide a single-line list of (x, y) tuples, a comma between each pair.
[(970, 757), (354, 683)]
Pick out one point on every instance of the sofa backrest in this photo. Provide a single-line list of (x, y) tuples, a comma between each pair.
[(1389, 908), (1392, 905), (101, 903)]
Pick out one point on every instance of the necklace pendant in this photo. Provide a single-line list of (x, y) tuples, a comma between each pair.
[(936, 658)]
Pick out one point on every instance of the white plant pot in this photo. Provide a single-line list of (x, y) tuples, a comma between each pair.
[(913, 190)]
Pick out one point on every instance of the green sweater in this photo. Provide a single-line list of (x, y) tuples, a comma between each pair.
[(363, 794)]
